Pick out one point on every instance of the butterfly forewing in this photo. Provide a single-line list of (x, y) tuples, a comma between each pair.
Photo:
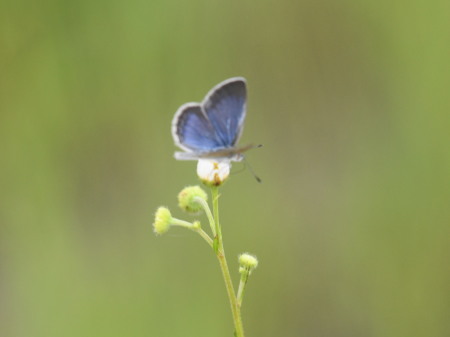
[(225, 108)]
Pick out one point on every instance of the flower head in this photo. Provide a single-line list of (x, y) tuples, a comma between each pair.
[(163, 220), (188, 198), (213, 172), (247, 263)]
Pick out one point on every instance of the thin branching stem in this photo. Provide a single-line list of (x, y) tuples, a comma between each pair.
[(242, 284), (207, 210), (235, 308), (205, 236)]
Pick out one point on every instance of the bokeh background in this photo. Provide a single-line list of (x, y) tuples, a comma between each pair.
[(351, 223)]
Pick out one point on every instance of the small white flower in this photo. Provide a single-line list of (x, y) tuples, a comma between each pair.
[(213, 172)]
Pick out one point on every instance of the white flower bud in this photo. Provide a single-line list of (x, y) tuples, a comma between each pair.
[(213, 172)]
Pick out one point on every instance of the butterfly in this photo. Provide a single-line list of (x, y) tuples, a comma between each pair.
[(212, 128)]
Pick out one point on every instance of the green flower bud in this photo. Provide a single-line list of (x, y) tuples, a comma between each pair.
[(186, 199), (163, 220), (247, 263)]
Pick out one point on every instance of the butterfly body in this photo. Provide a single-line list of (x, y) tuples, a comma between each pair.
[(212, 128)]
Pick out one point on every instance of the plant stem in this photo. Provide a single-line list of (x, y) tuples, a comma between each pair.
[(181, 223), (205, 207), (242, 284), (205, 236), (235, 308), (199, 230), (215, 201)]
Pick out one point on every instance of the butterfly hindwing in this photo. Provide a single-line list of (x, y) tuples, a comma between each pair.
[(193, 131)]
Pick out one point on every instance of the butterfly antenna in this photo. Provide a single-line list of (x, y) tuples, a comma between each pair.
[(247, 164), (239, 170)]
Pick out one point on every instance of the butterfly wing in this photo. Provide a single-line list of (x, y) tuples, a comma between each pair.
[(225, 109), (192, 131)]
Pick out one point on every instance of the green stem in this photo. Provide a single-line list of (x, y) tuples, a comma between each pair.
[(215, 200), (199, 230), (242, 284), (205, 207), (182, 223), (235, 308), (205, 236)]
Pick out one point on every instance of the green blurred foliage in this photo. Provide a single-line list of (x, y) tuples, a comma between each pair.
[(351, 224)]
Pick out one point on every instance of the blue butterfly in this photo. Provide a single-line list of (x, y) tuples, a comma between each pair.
[(212, 128)]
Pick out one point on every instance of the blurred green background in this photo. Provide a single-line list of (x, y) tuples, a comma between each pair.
[(351, 223)]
